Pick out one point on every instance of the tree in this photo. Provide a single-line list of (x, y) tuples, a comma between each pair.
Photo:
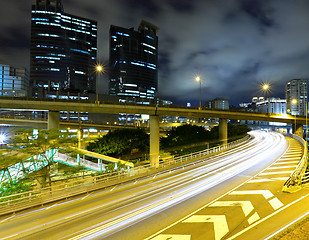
[(120, 142), (29, 145), (186, 134)]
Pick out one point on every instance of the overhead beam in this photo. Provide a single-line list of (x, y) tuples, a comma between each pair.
[(114, 108)]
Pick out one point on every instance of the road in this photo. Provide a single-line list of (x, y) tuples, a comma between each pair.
[(151, 208)]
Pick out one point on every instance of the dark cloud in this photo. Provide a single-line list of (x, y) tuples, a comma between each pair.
[(233, 45)]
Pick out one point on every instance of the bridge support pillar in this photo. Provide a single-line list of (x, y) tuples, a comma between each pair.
[(223, 130), (53, 120), (154, 141), (297, 129)]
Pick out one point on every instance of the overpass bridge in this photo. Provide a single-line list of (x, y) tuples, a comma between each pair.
[(54, 106)]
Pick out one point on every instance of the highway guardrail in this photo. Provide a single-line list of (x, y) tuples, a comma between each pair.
[(39, 197)]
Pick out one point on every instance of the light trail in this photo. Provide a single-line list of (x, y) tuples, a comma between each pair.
[(120, 209)]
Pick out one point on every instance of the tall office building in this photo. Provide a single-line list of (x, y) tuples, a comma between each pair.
[(296, 89), (63, 52), (133, 62), (14, 82)]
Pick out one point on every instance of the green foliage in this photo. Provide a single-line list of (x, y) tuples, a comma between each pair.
[(186, 134), (232, 130), (120, 142), (15, 187)]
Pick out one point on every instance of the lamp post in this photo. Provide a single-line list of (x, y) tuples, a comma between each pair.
[(198, 79), (294, 101), (99, 69), (265, 88)]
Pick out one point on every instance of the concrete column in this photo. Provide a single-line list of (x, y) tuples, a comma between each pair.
[(154, 141), (53, 120), (297, 129), (223, 130)]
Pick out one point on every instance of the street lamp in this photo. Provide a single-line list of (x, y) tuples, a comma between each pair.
[(266, 88), (294, 101), (98, 69), (198, 79)]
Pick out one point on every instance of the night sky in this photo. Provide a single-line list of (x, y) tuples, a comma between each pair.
[(234, 45)]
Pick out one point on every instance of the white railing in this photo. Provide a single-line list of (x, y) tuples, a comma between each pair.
[(20, 201), (296, 176)]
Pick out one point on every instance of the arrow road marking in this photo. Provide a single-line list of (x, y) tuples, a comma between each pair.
[(266, 193), (172, 237), (245, 205), (220, 223), (275, 202)]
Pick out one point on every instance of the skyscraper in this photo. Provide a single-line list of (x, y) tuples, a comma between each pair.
[(133, 61), (63, 52), (296, 89), (14, 82)]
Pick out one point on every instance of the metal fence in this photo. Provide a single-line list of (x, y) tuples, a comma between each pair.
[(296, 176), (74, 187)]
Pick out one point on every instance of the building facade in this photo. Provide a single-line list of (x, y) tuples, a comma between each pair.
[(14, 82), (277, 105), (63, 52), (296, 96), (133, 62)]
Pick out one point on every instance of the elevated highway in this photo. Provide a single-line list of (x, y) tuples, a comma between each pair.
[(55, 106)]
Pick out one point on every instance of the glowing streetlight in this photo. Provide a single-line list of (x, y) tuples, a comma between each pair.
[(198, 79), (266, 88), (98, 69)]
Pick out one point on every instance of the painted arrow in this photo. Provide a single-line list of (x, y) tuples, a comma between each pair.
[(219, 221), (246, 206), (275, 202)]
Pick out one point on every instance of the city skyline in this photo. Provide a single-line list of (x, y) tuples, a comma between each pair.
[(234, 46)]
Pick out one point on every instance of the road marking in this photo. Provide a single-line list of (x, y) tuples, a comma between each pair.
[(282, 178), (220, 223), (292, 166), (260, 180), (275, 203), (245, 205), (266, 218), (266, 193), (279, 163), (273, 173), (253, 218), (172, 237)]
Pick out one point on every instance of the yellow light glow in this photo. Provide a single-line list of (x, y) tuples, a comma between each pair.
[(294, 101), (265, 87), (99, 68), (198, 78)]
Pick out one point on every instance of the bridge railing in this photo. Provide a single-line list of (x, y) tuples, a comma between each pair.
[(20, 201), (296, 176)]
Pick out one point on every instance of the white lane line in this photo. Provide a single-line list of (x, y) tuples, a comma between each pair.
[(292, 166), (273, 173), (282, 163), (172, 237), (266, 193), (220, 223), (275, 203), (281, 178), (253, 218), (266, 218), (246, 206), (260, 180)]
